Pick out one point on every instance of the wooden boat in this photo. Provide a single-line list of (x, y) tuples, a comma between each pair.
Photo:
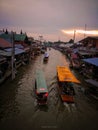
[(41, 89), (65, 82)]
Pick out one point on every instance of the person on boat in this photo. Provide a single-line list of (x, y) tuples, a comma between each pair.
[(46, 54)]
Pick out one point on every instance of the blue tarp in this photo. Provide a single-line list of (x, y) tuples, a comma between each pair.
[(93, 61)]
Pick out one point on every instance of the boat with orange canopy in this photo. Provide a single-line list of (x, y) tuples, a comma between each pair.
[(65, 80)]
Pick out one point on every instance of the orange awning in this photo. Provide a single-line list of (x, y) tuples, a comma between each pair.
[(64, 74)]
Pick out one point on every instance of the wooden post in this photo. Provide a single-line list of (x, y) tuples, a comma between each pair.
[(13, 60)]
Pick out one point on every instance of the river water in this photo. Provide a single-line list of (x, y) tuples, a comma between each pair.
[(19, 110)]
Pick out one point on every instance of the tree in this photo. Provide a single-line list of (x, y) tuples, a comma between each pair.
[(21, 32), (6, 32), (71, 41)]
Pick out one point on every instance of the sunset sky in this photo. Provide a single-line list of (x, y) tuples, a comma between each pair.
[(52, 19)]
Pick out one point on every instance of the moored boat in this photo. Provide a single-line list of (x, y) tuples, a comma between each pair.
[(65, 82), (41, 89)]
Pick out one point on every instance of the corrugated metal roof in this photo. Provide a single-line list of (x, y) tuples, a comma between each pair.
[(20, 37), (4, 43), (19, 46), (89, 37), (7, 37), (17, 50), (4, 53), (8, 51), (17, 37)]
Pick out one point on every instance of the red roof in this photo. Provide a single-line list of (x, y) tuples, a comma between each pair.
[(4, 43)]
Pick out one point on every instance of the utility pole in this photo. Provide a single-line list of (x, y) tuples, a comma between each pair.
[(85, 31), (74, 36), (13, 55)]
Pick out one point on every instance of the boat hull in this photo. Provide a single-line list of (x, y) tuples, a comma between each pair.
[(42, 102), (67, 98)]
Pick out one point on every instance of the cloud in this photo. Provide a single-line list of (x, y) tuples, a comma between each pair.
[(48, 16)]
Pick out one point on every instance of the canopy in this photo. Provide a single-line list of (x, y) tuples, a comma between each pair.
[(46, 54), (93, 82), (64, 74), (41, 82), (93, 61), (17, 51)]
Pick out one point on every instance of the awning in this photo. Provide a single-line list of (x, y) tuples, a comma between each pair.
[(93, 61), (85, 53), (8, 51), (65, 75), (92, 82)]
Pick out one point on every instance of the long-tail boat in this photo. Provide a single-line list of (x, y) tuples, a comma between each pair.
[(41, 89), (65, 82)]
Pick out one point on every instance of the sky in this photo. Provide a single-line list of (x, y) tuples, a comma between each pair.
[(51, 19)]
